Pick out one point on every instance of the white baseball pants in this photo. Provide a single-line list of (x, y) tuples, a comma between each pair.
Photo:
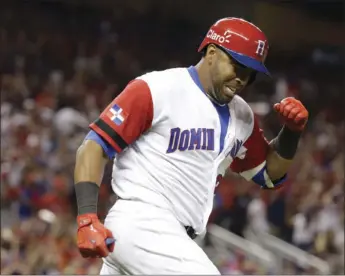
[(150, 240)]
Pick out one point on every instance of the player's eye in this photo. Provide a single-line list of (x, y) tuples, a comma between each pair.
[(237, 64), (242, 71)]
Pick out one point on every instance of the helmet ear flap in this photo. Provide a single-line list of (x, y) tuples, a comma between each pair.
[(252, 78)]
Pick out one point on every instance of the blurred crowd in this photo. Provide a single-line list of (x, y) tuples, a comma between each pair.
[(61, 66)]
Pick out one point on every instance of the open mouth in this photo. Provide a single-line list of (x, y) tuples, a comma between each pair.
[(230, 91)]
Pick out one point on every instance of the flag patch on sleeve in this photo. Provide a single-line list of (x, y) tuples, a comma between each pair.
[(117, 114)]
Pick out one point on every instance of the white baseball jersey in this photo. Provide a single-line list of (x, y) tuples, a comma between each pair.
[(173, 143)]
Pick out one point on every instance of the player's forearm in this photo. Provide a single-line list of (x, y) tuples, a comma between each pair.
[(88, 173), (282, 151), (277, 166)]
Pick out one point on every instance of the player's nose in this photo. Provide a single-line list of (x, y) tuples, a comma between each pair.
[(239, 83)]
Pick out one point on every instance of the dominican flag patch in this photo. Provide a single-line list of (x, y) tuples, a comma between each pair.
[(117, 114)]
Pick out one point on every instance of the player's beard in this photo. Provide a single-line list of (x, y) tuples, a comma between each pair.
[(222, 94), (218, 93), (214, 95), (228, 92)]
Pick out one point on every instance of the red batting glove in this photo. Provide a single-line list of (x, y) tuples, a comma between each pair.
[(92, 236), (293, 113)]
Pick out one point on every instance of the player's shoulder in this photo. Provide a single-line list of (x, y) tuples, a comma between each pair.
[(242, 110), (164, 85), (163, 78)]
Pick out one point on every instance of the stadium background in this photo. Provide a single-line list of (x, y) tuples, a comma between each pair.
[(63, 61)]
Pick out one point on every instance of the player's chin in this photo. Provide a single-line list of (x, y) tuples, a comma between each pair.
[(227, 95), (224, 99)]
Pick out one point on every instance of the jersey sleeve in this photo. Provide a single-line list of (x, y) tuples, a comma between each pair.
[(127, 117), (252, 163)]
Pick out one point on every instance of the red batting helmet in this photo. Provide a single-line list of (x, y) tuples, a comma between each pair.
[(241, 39)]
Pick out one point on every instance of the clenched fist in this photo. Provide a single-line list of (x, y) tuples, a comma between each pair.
[(293, 113), (93, 239)]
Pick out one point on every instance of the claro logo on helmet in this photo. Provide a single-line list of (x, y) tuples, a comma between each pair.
[(217, 37)]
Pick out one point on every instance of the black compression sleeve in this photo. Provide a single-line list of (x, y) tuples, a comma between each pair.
[(87, 197), (286, 143)]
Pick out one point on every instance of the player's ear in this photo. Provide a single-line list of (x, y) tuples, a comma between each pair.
[(211, 52)]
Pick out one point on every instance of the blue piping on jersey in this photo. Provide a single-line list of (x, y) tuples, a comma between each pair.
[(222, 110), (259, 179)]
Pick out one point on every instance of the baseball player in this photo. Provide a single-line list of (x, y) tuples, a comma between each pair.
[(171, 135)]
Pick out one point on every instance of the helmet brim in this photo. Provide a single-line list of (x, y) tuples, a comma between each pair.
[(249, 62)]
